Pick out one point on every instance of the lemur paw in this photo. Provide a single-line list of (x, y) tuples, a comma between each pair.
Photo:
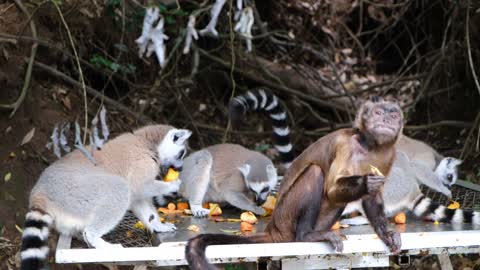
[(164, 227), (199, 212), (259, 211)]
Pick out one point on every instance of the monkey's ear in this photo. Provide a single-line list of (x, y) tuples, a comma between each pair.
[(376, 98), (245, 170)]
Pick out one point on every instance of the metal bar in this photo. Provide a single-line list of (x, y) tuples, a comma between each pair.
[(336, 262), (172, 253), (469, 185), (444, 261)]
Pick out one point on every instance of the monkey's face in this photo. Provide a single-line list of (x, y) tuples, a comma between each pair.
[(172, 150), (384, 121)]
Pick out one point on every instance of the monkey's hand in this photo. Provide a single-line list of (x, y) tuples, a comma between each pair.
[(374, 183), (333, 238), (393, 241)]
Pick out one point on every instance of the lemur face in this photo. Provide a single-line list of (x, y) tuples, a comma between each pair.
[(172, 150), (260, 186), (447, 171)]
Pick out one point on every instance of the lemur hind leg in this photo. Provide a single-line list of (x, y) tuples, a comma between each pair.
[(107, 215), (195, 180), (148, 215)]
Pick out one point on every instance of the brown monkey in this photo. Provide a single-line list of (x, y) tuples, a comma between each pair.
[(330, 173)]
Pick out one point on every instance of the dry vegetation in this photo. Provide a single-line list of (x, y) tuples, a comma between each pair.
[(61, 59)]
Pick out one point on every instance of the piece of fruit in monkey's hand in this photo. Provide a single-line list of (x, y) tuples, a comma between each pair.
[(375, 170), (248, 217), (215, 210), (400, 218), (172, 175)]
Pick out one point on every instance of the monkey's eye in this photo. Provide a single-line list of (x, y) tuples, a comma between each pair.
[(449, 177), (378, 112), (394, 116), (265, 189)]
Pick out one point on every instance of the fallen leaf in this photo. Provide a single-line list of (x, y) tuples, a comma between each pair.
[(193, 228), (7, 176), (234, 220), (28, 137)]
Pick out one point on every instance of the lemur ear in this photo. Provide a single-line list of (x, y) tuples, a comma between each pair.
[(453, 162), (245, 170), (180, 136), (272, 172)]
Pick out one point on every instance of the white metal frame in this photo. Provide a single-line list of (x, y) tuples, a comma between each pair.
[(359, 251)]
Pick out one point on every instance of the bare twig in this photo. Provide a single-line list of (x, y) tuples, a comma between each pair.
[(28, 75), (272, 85), (469, 49), (80, 71), (119, 106)]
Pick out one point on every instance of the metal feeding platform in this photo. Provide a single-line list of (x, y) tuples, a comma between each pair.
[(362, 247)]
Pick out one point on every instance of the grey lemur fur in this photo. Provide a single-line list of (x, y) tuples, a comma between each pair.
[(76, 197), (227, 173)]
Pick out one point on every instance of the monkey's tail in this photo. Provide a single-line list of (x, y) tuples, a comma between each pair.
[(34, 250), (425, 207), (264, 100), (195, 249)]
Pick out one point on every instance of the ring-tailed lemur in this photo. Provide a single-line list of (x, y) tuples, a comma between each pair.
[(75, 196), (429, 167), (230, 173), (264, 100), (227, 173)]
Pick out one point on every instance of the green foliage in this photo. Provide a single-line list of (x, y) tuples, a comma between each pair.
[(233, 267), (262, 147), (101, 62)]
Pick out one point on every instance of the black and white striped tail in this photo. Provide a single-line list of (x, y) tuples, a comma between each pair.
[(264, 100), (34, 250), (425, 207)]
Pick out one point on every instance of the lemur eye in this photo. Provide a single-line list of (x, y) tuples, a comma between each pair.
[(265, 189), (378, 112), (394, 116), (449, 177)]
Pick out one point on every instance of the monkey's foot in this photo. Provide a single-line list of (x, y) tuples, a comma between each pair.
[(164, 227), (393, 241), (198, 211), (333, 238)]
